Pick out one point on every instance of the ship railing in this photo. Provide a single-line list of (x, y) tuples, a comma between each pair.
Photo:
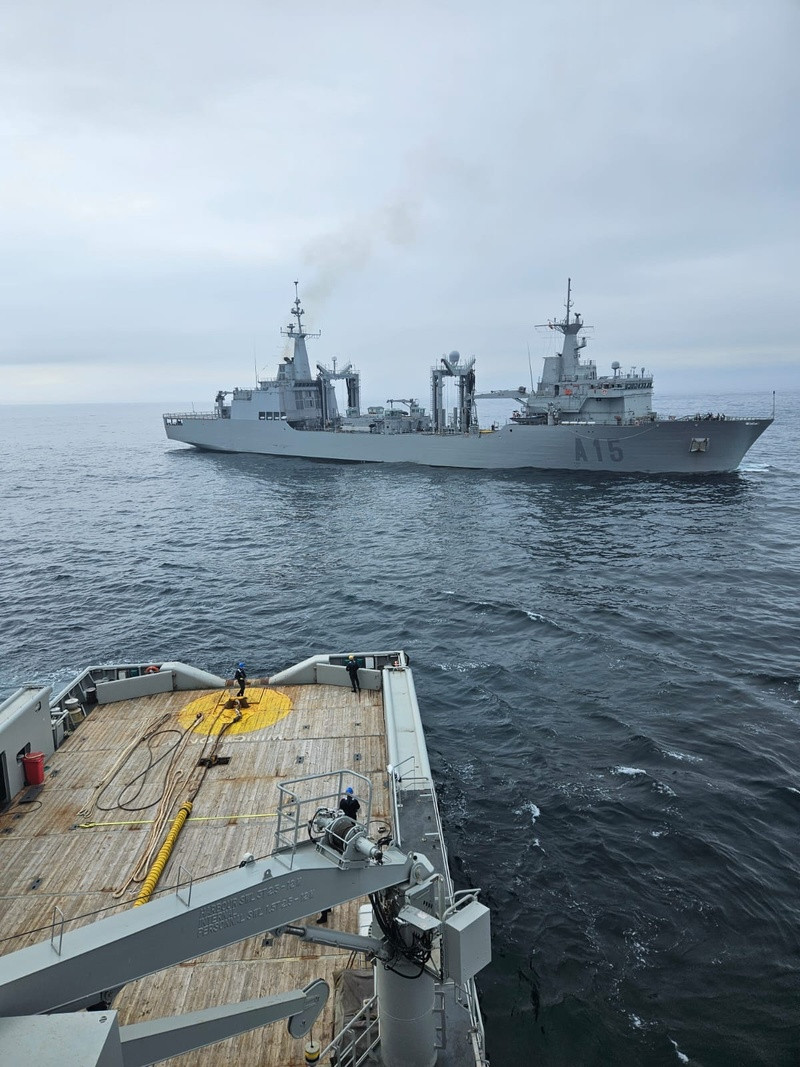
[(457, 900), (477, 1035), (709, 417), (172, 415), (355, 1042), (409, 774), (467, 994), (301, 798), (77, 699)]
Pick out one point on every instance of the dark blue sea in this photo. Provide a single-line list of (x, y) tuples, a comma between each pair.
[(607, 668)]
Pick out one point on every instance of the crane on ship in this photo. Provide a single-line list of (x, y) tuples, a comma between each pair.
[(43, 987)]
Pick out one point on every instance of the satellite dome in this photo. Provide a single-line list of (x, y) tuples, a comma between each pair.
[(615, 365), (454, 357)]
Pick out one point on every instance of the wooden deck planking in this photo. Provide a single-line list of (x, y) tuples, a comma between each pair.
[(124, 721), (30, 916), (336, 713), (327, 728)]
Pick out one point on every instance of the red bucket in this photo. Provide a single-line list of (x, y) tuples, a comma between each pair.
[(33, 766)]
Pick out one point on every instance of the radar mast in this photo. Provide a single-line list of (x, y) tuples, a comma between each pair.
[(299, 359)]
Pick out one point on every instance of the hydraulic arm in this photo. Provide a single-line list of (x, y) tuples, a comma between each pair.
[(77, 969), (72, 971)]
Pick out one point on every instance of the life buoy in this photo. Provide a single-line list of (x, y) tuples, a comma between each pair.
[(152, 670)]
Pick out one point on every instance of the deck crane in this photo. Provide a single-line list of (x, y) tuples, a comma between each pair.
[(43, 987)]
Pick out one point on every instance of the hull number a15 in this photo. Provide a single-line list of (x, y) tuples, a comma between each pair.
[(613, 450)]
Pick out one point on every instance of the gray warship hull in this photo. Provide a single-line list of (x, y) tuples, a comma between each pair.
[(576, 420), (681, 446)]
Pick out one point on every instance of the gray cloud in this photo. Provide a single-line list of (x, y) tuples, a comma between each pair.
[(432, 175), (336, 256)]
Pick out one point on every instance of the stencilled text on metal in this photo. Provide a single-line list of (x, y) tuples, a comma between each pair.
[(613, 447), (258, 903)]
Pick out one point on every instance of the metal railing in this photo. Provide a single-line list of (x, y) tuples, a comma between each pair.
[(299, 800), (413, 777), (83, 688), (358, 1040), (191, 415)]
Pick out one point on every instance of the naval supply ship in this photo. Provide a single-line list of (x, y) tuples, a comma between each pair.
[(575, 420), (182, 868)]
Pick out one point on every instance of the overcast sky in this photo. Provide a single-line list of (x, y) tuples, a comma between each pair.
[(430, 172)]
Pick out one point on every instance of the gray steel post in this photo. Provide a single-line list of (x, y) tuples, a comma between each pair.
[(406, 1019)]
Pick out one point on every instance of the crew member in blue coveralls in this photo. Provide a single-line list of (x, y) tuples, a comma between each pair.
[(240, 677), (352, 670)]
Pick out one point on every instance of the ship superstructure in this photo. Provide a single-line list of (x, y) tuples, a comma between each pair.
[(306, 402), (570, 389), (575, 420)]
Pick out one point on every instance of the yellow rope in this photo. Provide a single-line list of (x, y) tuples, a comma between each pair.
[(163, 855), (165, 806), (146, 862), (151, 845)]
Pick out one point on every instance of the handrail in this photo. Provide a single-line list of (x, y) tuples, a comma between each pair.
[(291, 804), (364, 1011), (191, 415), (455, 899), (476, 1019), (394, 778), (394, 767), (60, 929), (395, 808)]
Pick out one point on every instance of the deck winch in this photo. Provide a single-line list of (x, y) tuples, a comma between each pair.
[(332, 830)]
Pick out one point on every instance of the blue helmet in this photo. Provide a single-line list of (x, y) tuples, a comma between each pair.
[(240, 665), (349, 790)]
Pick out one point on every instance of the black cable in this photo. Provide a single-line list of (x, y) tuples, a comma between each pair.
[(418, 956), (142, 775)]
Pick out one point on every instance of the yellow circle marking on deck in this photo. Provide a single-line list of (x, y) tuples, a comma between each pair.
[(265, 708)]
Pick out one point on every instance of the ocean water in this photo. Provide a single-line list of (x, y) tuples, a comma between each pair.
[(607, 669)]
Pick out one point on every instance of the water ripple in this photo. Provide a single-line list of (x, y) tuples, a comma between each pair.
[(607, 669)]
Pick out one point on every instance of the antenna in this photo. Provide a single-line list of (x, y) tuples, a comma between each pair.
[(298, 311), (297, 331), (569, 302), (530, 368)]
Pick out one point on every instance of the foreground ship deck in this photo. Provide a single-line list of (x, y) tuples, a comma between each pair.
[(57, 853)]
